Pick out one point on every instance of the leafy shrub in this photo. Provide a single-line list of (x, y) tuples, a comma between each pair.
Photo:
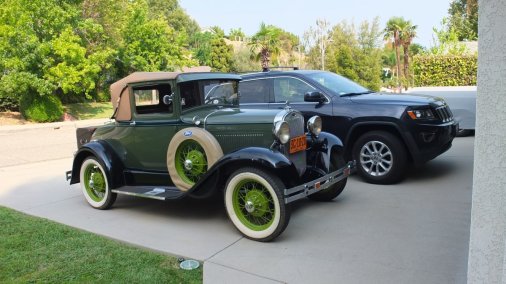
[(46, 108), (445, 70), (9, 104)]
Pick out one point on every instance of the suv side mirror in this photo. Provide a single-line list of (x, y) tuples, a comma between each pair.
[(315, 97)]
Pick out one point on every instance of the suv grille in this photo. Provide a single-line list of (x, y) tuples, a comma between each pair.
[(295, 121), (444, 113)]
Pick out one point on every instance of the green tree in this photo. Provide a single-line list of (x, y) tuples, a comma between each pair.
[(218, 32), (201, 47), (152, 45), (175, 16), (392, 33), (447, 41), (71, 50), (221, 55), (265, 44), (463, 19), (355, 53), (236, 33), (406, 35)]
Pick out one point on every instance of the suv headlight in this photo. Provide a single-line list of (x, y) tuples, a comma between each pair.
[(282, 132), (421, 114), (314, 125)]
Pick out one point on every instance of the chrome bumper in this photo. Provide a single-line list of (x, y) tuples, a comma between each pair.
[(319, 184)]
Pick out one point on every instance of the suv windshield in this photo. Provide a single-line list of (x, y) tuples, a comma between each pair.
[(338, 84)]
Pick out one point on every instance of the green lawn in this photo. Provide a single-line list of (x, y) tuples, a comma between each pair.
[(90, 110), (37, 250)]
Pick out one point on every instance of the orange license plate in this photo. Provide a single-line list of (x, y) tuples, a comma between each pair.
[(298, 144)]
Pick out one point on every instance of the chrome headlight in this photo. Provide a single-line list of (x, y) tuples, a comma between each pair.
[(282, 132), (421, 114), (314, 125)]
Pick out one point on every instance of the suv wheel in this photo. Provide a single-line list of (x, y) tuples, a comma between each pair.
[(255, 204), (381, 157)]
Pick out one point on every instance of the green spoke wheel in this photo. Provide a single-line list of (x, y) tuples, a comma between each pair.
[(255, 204), (94, 184), (191, 153), (191, 161)]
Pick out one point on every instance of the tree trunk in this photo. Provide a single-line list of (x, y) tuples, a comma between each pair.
[(265, 59), (397, 57), (406, 62)]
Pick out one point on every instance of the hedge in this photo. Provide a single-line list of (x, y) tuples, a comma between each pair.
[(37, 108), (445, 70)]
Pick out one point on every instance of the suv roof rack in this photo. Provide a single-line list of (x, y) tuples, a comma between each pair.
[(280, 67)]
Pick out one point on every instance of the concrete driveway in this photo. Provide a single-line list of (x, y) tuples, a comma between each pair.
[(413, 232)]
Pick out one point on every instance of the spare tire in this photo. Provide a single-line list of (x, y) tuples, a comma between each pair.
[(192, 151)]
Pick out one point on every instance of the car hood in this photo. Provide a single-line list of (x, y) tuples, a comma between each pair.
[(397, 99), (227, 115)]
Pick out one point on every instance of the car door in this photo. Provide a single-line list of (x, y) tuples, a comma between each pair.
[(155, 122), (292, 90)]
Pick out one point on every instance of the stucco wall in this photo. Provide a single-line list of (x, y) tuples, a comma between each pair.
[(487, 248)]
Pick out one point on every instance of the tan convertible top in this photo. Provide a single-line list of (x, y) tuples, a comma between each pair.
[(123, 112)]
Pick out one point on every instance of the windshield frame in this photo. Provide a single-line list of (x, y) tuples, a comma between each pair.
[(208, 87)]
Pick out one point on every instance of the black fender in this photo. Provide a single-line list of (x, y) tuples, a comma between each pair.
[(106, 156), (322, 148), (265, 158)]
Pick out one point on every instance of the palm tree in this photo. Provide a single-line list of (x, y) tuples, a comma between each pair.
[(392, 32), (406, 35), (265, 43)]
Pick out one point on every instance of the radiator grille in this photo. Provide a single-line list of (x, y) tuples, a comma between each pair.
[(295, 121), (444, 113)]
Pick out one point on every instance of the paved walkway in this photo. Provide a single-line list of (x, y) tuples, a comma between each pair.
[(413, 232)]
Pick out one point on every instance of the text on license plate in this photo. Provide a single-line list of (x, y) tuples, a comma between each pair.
[(298, 144)]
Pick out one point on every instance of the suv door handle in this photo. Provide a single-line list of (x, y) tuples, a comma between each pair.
[(132, 123)]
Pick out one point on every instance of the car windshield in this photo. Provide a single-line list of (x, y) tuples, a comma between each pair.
[(338, 84), (218, 92)]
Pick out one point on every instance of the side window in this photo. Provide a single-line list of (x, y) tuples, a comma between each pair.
[(190, 95), (254, 91), (150, 99), (290, 89)]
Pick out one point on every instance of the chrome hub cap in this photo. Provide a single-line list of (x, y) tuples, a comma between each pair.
[(376, 158), (249, 206), (91, 182), (188, 164)]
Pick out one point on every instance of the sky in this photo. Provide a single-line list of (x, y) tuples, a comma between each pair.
[(297, 16)]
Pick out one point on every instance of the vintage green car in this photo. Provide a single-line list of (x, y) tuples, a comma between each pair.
[(180, 135)]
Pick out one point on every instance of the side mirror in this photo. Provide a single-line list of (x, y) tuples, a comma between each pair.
[(167, 99), (314, 97)]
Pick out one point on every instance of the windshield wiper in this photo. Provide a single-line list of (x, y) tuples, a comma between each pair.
[(356, 94)]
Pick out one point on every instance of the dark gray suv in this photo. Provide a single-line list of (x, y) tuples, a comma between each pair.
[(383, 133)]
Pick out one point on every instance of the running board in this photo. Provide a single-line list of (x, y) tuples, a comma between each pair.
[(153, 192)]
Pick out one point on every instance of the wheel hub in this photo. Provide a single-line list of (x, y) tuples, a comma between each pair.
[(256, 203), (250, 206), (188, 164), (96, 182), (376, 158)]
